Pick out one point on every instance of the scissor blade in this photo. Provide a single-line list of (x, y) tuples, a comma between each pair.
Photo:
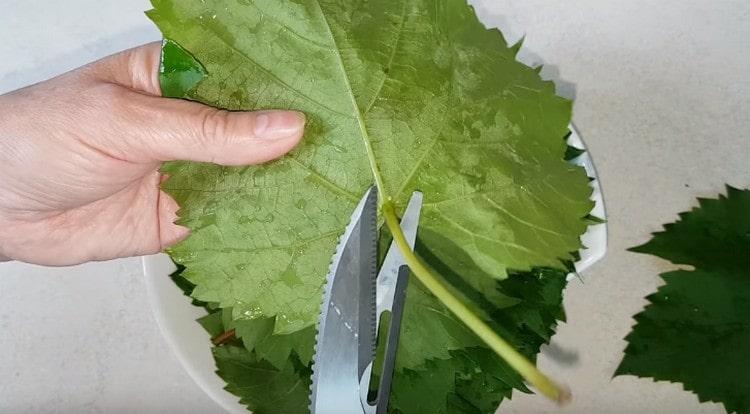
[(394, 330), (394, 259), (391, 294), (345, 343)]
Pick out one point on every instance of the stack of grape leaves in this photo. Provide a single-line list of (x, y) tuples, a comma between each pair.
[(404, 94)]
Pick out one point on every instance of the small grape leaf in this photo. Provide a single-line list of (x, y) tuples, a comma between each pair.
[(187, 287), (482, 385), (277, 348), (212, 323), (696, 328), (257, 336), (183, 71), (428, 329), (469, 382), (264, 388), (474, 379), (411, 388), (266, 380)]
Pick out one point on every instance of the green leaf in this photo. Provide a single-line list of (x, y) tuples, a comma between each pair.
[(481, 385), (262, 387), (470, 380), (182, 71), (428, 329), (572, 153), (696, 328), (277, 348), (404, 94), (714, 236), (466, 383), (257, 337), (538, 309), (212, 323), (473, 379), (187, 287), (409, 95), (254, 331), (425, 390), (267, 380)]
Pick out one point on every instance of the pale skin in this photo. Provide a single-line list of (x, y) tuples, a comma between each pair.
[(80, 157)]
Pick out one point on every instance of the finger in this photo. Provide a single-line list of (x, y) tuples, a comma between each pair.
[(158, 129), (154, 129), (136, 69)]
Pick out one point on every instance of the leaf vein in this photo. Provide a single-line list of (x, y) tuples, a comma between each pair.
[(518, 219), (360, 121), (388, 67), (278, 80), (325, 181), (294, 246)]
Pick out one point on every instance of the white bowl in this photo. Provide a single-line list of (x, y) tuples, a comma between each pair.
[(176, 315)]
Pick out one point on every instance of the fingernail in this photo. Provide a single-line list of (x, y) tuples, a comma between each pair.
[(278, 124)]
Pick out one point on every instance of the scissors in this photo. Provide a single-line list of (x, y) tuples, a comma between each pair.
[(356, 296)]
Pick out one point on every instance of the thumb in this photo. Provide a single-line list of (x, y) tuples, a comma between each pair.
[(163, 129)]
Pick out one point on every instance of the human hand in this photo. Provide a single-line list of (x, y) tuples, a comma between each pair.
[(79, 159)]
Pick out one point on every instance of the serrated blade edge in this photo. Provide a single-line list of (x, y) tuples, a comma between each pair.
[(345, 338)]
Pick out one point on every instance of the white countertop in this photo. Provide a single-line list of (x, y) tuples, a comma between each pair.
[(663, 102)]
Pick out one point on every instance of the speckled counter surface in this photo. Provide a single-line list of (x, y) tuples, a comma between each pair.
[(662, 100)]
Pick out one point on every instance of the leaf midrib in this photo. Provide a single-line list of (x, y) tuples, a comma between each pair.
[(360, 120)]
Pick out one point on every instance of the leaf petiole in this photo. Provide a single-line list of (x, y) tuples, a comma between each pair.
[(224, 338), (518, 362)]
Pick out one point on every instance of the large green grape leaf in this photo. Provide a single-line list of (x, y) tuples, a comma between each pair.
[(408, 94), (696, 328)]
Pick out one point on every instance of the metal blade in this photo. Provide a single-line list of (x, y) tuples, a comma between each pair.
[(391, 294), (394, 330), (345, 343), (394, 259)]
